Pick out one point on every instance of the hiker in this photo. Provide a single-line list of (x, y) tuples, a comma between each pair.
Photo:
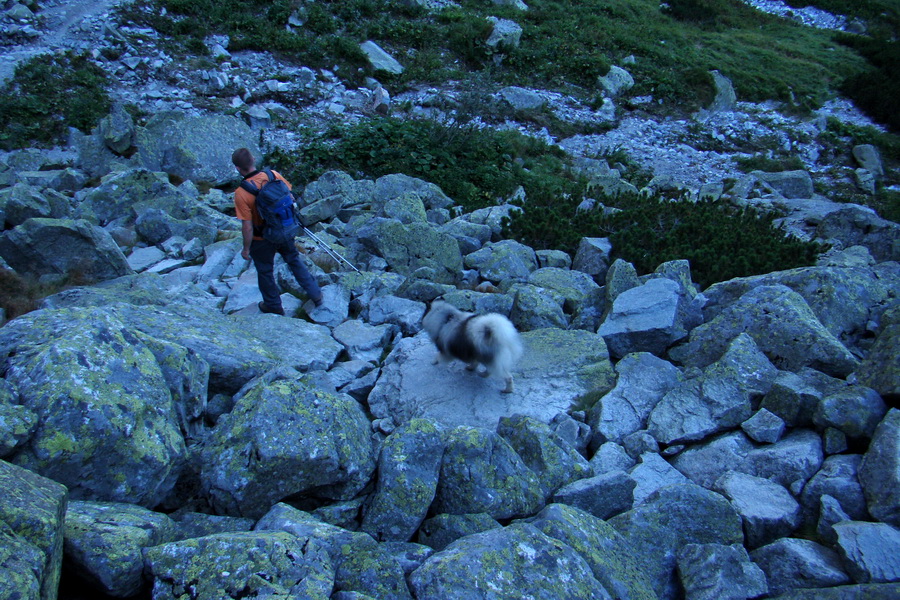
[(261, 242)]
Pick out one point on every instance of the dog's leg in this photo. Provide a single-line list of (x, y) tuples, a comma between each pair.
[(472, 365), (441, 358), (509, 385)]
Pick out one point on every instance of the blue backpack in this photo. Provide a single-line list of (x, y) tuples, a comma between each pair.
[(275, 204)]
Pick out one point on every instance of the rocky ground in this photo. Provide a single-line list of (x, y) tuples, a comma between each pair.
[(160, 437)]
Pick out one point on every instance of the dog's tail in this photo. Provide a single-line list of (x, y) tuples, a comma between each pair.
[(495, 336)]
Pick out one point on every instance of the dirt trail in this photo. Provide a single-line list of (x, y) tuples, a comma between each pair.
[(64, 24)]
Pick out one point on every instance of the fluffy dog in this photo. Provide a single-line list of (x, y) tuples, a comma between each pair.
[(490, 340)]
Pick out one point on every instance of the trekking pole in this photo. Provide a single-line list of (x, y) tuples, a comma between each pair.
[(328, 249)]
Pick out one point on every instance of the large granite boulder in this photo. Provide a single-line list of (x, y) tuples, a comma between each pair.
[(481, 473), (413, 246), (717, 400), (283, 438), (768, 510), (719, 572), (558, 367), (61, 248), (108, 421), (22, 202), (838, 477), (871, 551), (606, 552), (229, 565), (783, 326), (104, 543), (648, 318), (194, 148), (512, 562), (554, 461), (122, 196), (879, 369), (506, 260), (408, 469), (791, 563), (846, 300), (861, 226), (879, 472), (32, 517), (537, 308), (670, 519), (643, 380)]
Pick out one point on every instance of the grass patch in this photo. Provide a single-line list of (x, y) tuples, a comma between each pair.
[(47, 95), (22, 294)]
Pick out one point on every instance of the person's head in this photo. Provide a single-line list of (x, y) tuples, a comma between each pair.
[(243, 160)]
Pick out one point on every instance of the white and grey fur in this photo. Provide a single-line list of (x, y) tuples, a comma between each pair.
[(490, 340)]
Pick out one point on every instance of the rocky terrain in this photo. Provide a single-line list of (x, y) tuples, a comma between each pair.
[(161, 438)]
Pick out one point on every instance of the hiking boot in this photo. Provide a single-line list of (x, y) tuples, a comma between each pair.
[(270, 311)]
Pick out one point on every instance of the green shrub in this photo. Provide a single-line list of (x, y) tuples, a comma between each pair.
[(475, 167), (720, 241), (876, 89), (47, 95)]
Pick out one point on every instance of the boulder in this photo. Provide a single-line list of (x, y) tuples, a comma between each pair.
[(537, 308), (408, 247), (555, 462), (379, 59), (557, 368), (725, 99), (592, 257), (22, 202), (579, 289), (652, 473), (871, 551), (32, 517), (284, 438), (408, 469), (793, 398), (63, 247), (339, 184), (869, 591), (648, 318), (604, 496), (846, 300), (879, 472), (155, 226), (522, 98), (109, 425), (789, 184), (704, 463), (506, 260), (505, 35), (620, 277), (512, 562), (669, 519), (768, 510), (795, 458), (480, 302), (782, 325), (193, 525), (104, 542), (764, 427), (879, 369), (392, 187), (123, 195), (197, 148), (643, 380), (719, 572), (481, 472), (228, 565), (791, 564), (860, 226), (616, 81), (611, 457), (401, 312), (854, 410), (838, 478), (440, 531), (363, 341), (117, 130), (717, 400), (601, 546), (493, 217)]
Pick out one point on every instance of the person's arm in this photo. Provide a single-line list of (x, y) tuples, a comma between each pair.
[(247, 234)]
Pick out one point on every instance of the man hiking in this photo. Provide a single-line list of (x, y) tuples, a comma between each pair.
[(267, 193)]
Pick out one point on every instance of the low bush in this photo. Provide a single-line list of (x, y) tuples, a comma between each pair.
[(720, 241), (47, 95), (763, 162), (475, 167)]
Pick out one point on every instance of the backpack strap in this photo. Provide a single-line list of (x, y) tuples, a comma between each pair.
[(248, 185)]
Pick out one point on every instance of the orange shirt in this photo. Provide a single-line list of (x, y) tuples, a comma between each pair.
[(245, 202)]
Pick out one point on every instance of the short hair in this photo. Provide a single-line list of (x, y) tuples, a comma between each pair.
[(243, 159)]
